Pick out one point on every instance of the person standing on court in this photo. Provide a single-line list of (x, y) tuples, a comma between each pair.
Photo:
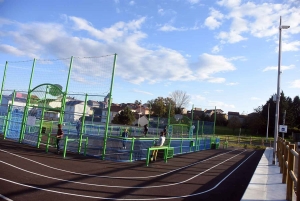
[(59, 136), (145, 129), (125, 136), (78, 127)]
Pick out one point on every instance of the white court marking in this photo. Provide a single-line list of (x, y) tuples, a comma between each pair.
[(138, 187), (112, 177), (158, 198), (5, 198)]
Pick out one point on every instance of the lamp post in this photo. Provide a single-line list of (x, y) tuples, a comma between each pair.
[(278, 92), (140, 103)]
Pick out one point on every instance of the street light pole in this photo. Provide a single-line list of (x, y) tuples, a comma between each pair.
[(278, 93)]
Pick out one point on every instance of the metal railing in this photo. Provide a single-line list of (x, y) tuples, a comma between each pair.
[(288, 161)]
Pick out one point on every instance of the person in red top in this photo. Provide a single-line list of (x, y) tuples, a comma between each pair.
[(59, 136)]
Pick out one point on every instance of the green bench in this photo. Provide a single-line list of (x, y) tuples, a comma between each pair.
[(165, 148), (168, 151)]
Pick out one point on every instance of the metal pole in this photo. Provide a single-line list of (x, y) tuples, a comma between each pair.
[(149, 114), (283, 122), (267, 134), (215, 117), (277, 97)]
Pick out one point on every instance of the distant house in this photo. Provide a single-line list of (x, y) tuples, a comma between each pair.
[(233, 114), (20, 100), (196, 112), (114, 110), (74, 110), (140, 120), (211, 112), (237, 114)]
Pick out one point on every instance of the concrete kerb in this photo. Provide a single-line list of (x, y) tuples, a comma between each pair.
[(266, 182)]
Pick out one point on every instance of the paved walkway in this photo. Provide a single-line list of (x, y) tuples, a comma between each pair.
[(266, 183)]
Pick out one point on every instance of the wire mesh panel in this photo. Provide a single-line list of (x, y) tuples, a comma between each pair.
[(14, 122), (2, 123), (180, 130)]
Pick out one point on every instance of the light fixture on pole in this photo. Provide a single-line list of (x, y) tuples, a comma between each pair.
[(278, 93)]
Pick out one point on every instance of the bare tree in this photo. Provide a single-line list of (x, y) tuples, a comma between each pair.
[(180, 98)]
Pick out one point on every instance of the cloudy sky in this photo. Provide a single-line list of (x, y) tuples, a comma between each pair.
[(223, 53)]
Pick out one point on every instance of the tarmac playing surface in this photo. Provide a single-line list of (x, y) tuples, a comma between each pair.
[(28, 173)]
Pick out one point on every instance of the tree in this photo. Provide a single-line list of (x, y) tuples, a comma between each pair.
[(55, 90), (115, 120), (233, 123), (138, 102), (296, 111), (160, 107), (180, 98), (125, 117), (220, 119)]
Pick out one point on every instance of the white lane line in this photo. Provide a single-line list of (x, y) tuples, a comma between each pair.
[(136, 187), (158, 198), (112, 177), (5, 198)]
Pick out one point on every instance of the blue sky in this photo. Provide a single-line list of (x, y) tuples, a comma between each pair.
[(222, 53)]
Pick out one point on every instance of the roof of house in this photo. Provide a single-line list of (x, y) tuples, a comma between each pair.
[(234, 113), (74, 102)]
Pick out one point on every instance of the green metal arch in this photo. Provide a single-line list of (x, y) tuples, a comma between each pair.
[(47, 84)]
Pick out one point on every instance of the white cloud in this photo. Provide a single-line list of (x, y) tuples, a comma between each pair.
[(229, 3), (230, 37), (209, 65), (295, 84), (259, 20), (11, 50), (220, 104), (168, 12), (214, 20), (193, 1), (124, 38), (240, 58), (161, 11), (168, 28), (142, 92), (292, 46), (216, 49), (198, 97), (255, 98), (131, 3), (282, 68), (232, 83)]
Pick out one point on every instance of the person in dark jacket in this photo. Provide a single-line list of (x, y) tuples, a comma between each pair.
[(59, 136), (125, 136), (145, 129)]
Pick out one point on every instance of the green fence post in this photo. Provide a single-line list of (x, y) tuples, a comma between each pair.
[(7, 120), (181, 145), (132, 148), (86, 144), (25, 113), (48, 141), (108, 110), (197, 142), (215, 117), (3, 81), (65, 146), (82, 123)]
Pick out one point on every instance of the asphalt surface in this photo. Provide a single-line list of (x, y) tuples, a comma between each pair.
[(28, 173)]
